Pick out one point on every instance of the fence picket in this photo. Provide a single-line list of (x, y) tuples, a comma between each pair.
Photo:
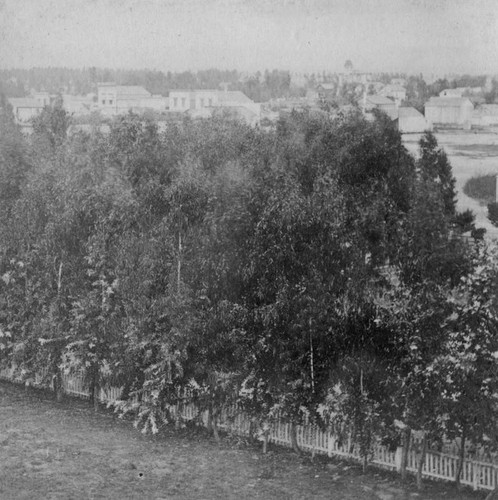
[(443, 466)]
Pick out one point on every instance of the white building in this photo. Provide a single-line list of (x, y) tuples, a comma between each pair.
[(396, 92), (204, 103), (119, 99), (25, 108), (79, 104), (42, 97), (449, 111), (388, 106), (411, 121)]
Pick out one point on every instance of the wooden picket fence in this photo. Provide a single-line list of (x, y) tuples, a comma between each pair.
[(479, 475)]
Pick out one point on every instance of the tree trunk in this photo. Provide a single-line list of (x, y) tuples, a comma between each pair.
[(421, 461), (58, 387), (209, 424), (407, 434), (215, 427), (96, 390), (178, 419), (265, 442), (461, 456), (293, 436), (179, 263)]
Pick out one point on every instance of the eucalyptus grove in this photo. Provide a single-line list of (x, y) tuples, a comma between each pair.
[(310, 272)]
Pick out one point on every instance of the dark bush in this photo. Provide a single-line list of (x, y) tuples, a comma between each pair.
[(481, 188)]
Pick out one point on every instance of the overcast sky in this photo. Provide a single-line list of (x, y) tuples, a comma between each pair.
[(430, 36)]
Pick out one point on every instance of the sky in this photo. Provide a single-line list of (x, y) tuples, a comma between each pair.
[(413, 36)]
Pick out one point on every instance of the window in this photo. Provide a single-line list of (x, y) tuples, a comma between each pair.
[(103, 101), (183, 102), (175, 102), (110, 101), (202, 102), (210, 101)]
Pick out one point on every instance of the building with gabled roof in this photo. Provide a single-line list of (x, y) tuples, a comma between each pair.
[(25, 108), (411, 121), (388, 106), (115, 99), (449, 111), (203, 103), (396, 92)]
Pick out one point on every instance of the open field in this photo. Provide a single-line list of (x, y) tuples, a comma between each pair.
[(66, 451), (470, 153)]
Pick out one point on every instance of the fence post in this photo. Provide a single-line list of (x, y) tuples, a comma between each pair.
[(330, 444), (398, 458), (475, 482)]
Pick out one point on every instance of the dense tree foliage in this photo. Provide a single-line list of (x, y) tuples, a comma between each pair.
[(312, 272)]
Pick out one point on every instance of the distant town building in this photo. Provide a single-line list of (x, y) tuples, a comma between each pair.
[(485, 115), (449, 111), (204, 103), (388, 106), (78, 104), (411, 121), (326, 90), (396, 92), (44, 98), (25, 108), (460, 92), (299, 80), (312, 96), (398, 81), (374, 87), (118, 99), (354, 77)]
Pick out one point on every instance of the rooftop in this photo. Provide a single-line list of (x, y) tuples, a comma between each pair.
[(409, 112), (25, 102), (378, 100), (126, 89), (447, 102)]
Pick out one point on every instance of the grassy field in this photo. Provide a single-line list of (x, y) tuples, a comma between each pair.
[(471, 154), (52, 450)]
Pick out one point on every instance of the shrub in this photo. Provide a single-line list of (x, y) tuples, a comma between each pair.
[(493, 213), (481, 188)]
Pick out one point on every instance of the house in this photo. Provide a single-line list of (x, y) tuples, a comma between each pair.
[(458, 92), (382, 103), (204, 103), (42, 97), (398, 81), (354, 76), (312, 96), (79, 104), (411, 121), (118, 99), (375, 87), (485, 115), (395, 92), (25, 108), (326, 90), (449, 111)]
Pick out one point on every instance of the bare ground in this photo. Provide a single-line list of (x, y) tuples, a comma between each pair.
[(52, 450)]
